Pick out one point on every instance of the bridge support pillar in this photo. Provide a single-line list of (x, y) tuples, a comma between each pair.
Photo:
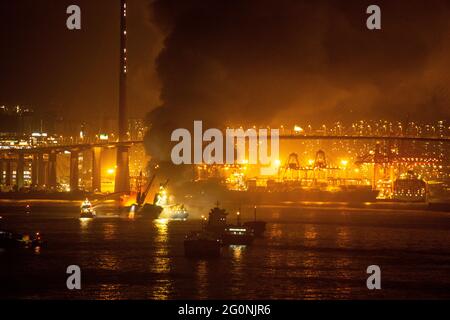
[(2, 180), (52, 170), (34, 170), (20, 171), (122, 179), (8, 173), (96, 169), (41, 170), (74, 172)]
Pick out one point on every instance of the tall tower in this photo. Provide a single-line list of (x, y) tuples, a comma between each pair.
[(123, 117), (122, 180)]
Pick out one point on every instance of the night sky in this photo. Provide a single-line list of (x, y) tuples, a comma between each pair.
[(261, 61), (46, 66)]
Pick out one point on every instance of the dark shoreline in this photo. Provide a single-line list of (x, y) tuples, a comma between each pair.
[(45, 201), (81, 195), (73, 204)]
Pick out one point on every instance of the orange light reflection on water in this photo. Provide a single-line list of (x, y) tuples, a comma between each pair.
[(202, 279), (161, 262), (84, 225), (237, 269)]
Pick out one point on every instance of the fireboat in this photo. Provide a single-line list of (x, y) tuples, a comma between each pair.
[(87, 211)]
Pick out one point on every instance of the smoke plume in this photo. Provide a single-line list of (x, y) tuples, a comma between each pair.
[(264, 62)]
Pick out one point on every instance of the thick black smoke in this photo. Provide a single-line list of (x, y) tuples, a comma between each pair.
[(269, 62)]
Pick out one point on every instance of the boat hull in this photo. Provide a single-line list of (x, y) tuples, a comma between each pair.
[(179, 216), (87, 215), (202, 248), (237, 240), (149, 211)]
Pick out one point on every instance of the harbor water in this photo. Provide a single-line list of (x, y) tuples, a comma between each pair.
[(307, 253)]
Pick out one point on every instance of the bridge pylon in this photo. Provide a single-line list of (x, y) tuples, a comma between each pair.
[(122, 179)]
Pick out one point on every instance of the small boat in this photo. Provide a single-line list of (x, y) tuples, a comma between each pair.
[(201, 244), (87, 211), (176, 212), (171, 211), (14, 240)]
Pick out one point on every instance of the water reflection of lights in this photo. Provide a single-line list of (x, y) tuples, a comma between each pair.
[(310, 232), (237, 269), (132, 212), (310, 263), (162, 234), (109, 292), (202, 278), (110, 230), (85, 226), (343, 237), (343, 269), (237, 251), (162, 223), (276, 215), (84, 222), (275, 231), (108, 262), (161, 261)]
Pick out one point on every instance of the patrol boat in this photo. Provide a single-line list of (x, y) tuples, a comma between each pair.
[(87, 211)]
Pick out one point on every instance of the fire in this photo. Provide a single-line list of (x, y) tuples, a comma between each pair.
[(128, 200)]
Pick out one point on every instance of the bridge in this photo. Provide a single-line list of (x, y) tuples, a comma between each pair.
[(43, 158), (364, 137), (43, 163)]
